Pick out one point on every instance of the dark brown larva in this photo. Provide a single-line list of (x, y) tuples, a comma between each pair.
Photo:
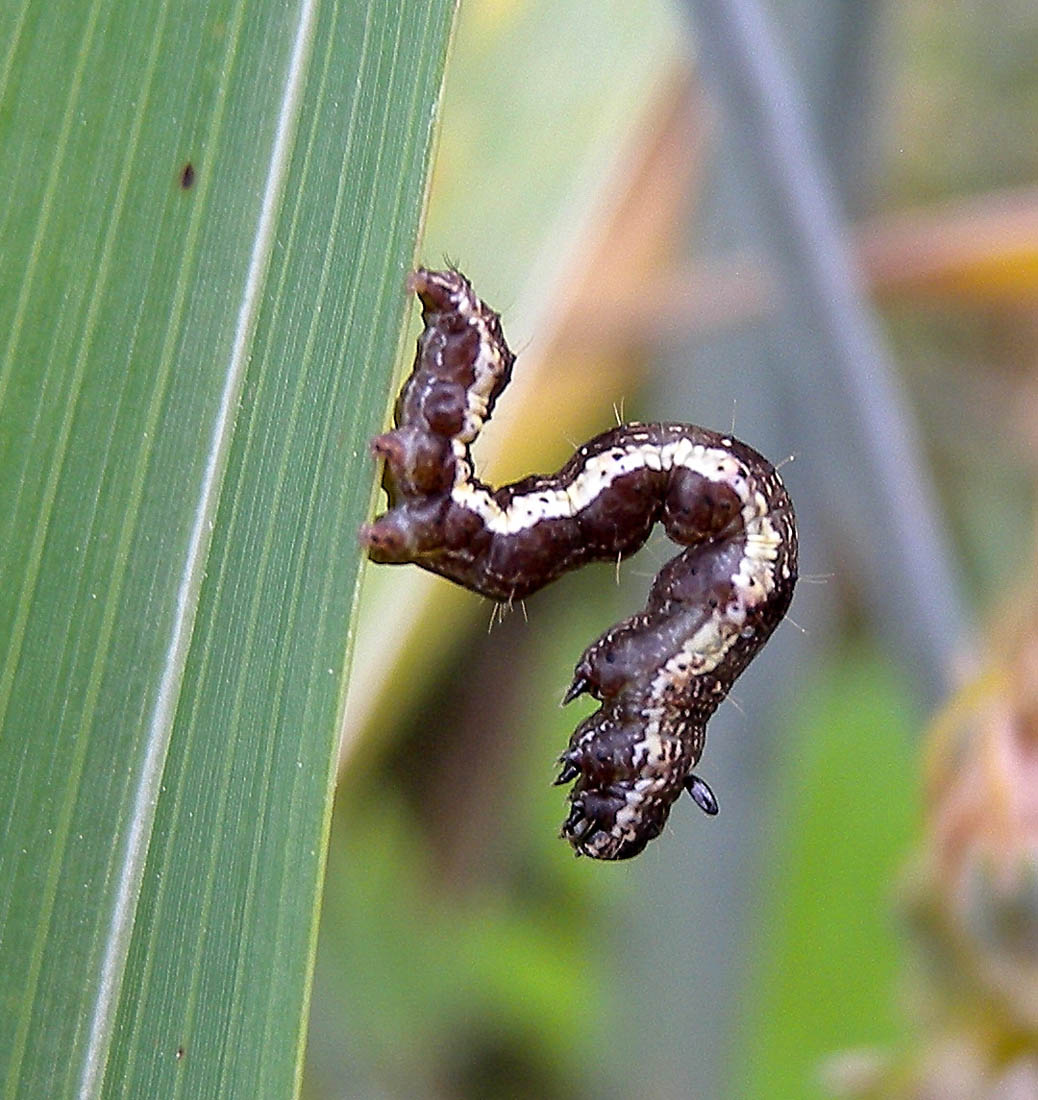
[(658, 675)]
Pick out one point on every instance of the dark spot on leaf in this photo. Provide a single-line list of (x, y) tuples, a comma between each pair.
[(187, 175)]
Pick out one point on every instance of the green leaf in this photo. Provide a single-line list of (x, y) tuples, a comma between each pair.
[(207, 215)]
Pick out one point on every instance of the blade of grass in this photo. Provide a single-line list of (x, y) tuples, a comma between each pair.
[(206, 224)]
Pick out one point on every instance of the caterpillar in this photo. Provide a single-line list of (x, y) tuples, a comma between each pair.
[(659, 675)]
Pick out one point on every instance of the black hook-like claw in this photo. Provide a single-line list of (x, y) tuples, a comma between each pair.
[(569, 772), (578, 687), (704, 797), (576, 823)]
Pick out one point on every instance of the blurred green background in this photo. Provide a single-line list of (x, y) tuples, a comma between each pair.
[(593, 181)]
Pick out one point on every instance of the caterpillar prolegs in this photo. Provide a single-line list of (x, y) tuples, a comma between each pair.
[(658, 675)]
